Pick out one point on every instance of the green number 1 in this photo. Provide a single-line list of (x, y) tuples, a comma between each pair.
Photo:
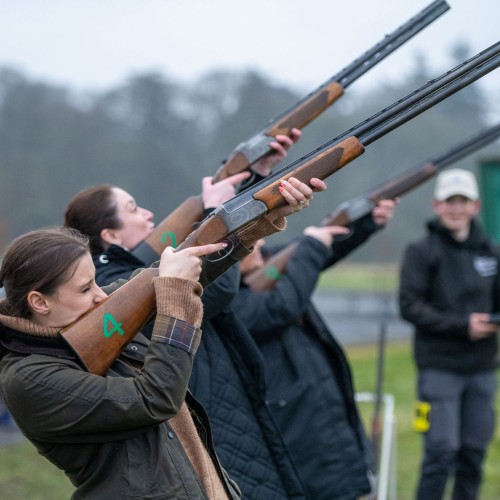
[(172, 238), (117, 327), (273, 273)]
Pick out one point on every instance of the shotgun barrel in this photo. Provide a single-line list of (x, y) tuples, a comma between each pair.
[(311, 106)]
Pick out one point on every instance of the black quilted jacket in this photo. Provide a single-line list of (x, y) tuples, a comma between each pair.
[(228, 379), (309, 385)]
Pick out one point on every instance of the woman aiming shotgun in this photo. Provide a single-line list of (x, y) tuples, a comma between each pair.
[(131, 433)]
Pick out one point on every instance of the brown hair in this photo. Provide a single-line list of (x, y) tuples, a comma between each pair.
[(92, 210), (40, 261)]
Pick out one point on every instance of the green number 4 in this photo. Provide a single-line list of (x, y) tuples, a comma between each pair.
[(117, 327)]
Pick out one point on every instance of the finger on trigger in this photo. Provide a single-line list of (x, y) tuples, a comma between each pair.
[(207, 249), (339, 230), (237, 178)]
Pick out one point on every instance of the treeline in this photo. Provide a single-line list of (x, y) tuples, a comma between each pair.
[(157, 138)]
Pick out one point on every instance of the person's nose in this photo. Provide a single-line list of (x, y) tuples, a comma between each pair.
[(456, 206), (99, 295), (148, 215)]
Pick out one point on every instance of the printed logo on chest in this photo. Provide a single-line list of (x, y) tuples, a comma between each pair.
[(486, 266)]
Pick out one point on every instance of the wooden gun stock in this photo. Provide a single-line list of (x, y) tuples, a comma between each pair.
[(100, 335), (307, 110), (225, 220), (304, 112), (177, 225), (321, 166)]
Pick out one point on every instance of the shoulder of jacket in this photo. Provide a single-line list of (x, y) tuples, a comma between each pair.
[(429, 247)]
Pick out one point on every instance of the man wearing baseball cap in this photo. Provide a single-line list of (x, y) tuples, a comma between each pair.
[(449, 286)]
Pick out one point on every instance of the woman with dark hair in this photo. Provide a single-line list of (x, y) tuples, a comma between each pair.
[(135, 432), (115, 225)]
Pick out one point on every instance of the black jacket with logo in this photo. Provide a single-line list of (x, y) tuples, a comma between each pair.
[(442, 282)]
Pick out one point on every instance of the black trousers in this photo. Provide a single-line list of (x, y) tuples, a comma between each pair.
[(462, 423)]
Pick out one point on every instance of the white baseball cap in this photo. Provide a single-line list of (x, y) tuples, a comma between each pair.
[(456, 181)]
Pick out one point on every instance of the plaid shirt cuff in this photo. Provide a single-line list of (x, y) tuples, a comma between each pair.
[(177, 332)]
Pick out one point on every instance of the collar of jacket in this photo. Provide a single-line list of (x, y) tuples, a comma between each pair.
[(475, 240), (116, 253), (22, 336), (25, 343)]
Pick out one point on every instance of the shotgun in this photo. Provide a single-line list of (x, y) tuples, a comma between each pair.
[(125, 310), (352, 210), (312, 105), (176, 226)]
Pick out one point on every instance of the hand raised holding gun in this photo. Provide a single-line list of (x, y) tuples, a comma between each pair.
[(179, 223), (381, 214), (265, 277), (185, 264), (325, 234), (278, 151), (214, 194), (383, 211)]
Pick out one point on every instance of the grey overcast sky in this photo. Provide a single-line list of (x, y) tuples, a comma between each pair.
[(93, 44)]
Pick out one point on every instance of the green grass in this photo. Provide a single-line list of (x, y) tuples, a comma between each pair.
[(399, 380), (360, 277), (24, 475)]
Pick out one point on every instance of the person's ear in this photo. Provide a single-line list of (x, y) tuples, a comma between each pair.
[(38, 303), (477, 206), (110, 237)]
